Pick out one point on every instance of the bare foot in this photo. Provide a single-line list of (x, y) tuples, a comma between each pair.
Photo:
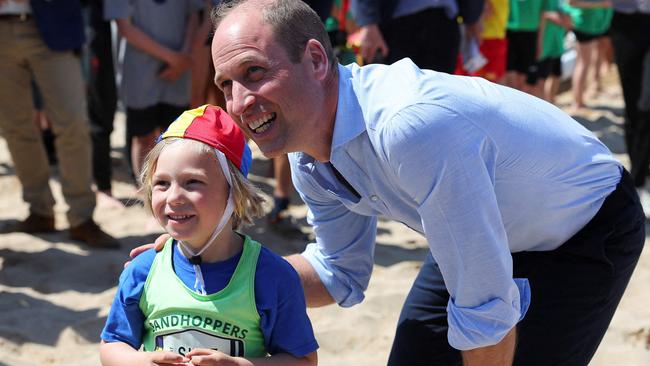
[(106, 200), (576, 109)]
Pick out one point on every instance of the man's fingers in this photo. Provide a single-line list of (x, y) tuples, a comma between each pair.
[(138, 250), (160, 241)]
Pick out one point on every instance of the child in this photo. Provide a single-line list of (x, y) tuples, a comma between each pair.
[(550, 48), (523, 25), (155, 83), (591, 20), (211, 294)]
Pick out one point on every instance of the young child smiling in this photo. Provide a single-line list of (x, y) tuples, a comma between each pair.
[(211, 295)]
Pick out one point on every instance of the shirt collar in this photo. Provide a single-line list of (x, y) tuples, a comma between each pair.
[(349, 122)]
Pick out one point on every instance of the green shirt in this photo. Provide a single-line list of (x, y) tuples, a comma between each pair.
[(553, 41), (525, 14), (178, 319), (589, 21)]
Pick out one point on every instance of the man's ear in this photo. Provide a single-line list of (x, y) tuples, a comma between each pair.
[(315, 53)]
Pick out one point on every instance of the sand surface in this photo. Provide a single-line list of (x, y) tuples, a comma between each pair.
[(55, 293)]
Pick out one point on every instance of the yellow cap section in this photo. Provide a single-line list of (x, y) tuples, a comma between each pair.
[(180, 125)]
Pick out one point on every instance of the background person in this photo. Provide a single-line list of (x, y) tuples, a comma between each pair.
[(155, 84), (40, 40)]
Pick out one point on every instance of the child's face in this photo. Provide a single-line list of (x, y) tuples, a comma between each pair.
[(189, 193)]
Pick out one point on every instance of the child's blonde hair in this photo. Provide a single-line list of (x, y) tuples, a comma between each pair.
[(248, 200)]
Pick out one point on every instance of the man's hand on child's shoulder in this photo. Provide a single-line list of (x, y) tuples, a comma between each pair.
[(158, 245)]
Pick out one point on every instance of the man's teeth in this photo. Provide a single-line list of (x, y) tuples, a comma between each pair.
[(259, 125)]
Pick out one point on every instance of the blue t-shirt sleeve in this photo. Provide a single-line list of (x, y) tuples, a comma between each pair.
[(281, 304), (125, 320)]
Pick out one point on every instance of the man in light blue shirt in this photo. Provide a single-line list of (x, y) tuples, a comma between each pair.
[(534, 228)]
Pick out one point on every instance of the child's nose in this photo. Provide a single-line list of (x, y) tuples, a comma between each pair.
[(176, 194)]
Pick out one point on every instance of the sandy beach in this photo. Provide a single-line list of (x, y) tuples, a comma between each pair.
[(55, 293)]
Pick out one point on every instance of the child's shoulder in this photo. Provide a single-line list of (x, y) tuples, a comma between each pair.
[(139, 266)]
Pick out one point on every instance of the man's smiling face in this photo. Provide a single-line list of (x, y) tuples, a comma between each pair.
[(272, 99)]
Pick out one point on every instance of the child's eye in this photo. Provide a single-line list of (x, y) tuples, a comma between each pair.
[(159, 183), (194, 181)]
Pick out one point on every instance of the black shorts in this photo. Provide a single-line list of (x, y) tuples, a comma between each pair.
[(522, 46), (585, 37), (551, 66), (141, 122)]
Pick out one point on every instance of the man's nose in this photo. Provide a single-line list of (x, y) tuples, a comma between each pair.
[(242, 99)]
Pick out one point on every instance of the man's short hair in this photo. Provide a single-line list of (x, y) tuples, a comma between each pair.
[(293, 21)]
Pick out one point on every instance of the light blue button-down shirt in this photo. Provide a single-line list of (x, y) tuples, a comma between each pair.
[(479, 169)]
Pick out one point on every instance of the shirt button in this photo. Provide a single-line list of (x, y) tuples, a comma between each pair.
[(374, 198)]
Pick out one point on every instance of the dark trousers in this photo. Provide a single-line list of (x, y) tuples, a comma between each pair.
[(575, 290), (102, 94), (429, 38), (630, 34)]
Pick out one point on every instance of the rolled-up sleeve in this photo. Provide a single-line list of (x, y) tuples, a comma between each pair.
[(460, 217), (343, 253)]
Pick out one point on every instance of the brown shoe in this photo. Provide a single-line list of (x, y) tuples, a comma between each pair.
[(33, 224), (93, 236)]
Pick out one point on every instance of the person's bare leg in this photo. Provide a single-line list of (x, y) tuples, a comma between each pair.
[(140, 147), (537, 89), (509, 79), (279, 218), (579, 78), (551, 87), (282, 190), (520, 83), (603, 61), (201, 79), (105, 199), (282, 173)]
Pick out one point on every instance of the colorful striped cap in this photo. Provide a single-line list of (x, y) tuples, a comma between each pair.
[(213, 126)]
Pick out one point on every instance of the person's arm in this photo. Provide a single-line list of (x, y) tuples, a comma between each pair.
[(339, 264), (470, 11), (540, 36), (139, 39), (372, 43), (462, 222), (316, 293), (208, 357), (590, 4), (120, 354), (174, 71), (204, 28), (367, 15), (500, 354)]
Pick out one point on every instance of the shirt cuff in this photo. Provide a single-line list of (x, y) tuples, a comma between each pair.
[(488, 323), (345, 292)]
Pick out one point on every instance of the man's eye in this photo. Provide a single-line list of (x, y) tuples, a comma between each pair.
[(225, 84), (255, 73)]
